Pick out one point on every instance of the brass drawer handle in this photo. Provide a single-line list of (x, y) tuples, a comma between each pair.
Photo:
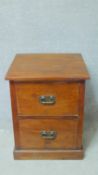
[(47, 99), (48, 134)]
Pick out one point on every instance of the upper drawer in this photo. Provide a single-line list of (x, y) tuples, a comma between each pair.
[(47, 99)]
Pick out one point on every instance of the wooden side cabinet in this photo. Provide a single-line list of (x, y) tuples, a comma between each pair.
[(47, 98)]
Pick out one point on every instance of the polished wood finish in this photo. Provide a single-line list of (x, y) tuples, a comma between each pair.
[(30, 134), (27, 67), (14, 112), (28, 103), (32, 76), (54, 154)]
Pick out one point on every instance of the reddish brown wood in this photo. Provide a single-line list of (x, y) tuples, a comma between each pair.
[(81, 113), (14, 113), (49, 154), (67, 98), (60, 75), (30, 134), (27, 67)]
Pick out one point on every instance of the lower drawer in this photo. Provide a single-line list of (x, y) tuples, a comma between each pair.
[(47, 133)]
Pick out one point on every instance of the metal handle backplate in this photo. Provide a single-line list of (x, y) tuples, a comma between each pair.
[(48, 134), (47, 99)]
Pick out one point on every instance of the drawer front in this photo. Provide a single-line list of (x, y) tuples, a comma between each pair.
[(47, 133), (47, 99)]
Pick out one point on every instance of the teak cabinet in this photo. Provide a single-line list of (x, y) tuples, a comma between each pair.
[(47, 98)]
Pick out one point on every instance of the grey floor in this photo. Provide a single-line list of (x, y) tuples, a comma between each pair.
[(87, 166)]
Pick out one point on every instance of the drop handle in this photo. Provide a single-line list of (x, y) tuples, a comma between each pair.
[(48, 134), (47, 100)]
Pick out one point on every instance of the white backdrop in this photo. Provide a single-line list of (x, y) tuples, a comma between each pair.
[(37, 26)]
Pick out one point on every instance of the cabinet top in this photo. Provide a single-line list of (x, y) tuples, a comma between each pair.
[(30, 67)]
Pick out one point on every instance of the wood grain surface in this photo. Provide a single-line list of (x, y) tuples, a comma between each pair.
[(66, 99), (30, 134), (47, 67), (61, 76)]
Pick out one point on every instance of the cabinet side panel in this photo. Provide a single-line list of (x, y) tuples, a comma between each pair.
[(14, 114), (81, 113)]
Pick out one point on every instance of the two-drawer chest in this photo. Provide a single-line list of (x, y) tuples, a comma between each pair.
[(47, 99)]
